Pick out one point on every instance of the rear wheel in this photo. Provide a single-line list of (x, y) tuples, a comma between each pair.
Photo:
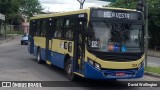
[(39, 56), (68, 70)]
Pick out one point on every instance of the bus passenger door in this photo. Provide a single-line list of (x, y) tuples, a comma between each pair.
[(50, 25), (80, 45)]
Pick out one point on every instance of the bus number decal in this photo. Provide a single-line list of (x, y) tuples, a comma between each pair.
[(94, 44), (134, 65)]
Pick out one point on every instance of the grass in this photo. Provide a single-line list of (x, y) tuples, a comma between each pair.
[(153, 69)]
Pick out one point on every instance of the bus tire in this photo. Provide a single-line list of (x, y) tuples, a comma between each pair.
[(39, 60), (68, 70)]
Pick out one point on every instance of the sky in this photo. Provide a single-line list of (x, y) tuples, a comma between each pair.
[(68, 5)]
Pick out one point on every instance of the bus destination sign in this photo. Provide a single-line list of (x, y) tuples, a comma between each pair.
[(110, 14), (115, 14)]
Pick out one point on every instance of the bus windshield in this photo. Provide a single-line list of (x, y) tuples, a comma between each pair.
[(115, 37)]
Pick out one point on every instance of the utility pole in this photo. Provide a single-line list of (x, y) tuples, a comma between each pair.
[(146, 31), (5, 30), (81, 3), (143, 6)]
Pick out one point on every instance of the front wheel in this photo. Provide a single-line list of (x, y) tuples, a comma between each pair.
[(68, 70)]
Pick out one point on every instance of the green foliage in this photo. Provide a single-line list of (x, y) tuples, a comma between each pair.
[(30, 7), (154, 17), (15, 9), (130, 4), (154, 22), (153, 69), (109, 0), (10, 8)]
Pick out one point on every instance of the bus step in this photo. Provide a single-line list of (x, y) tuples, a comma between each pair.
[(48, 62), (81, 75)]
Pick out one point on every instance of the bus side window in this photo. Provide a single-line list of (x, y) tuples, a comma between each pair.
[(69, 25), (59, 28), (43, 28), (33, 27), (38, 30)]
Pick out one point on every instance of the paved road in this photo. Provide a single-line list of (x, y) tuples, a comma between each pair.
[(17, 65)]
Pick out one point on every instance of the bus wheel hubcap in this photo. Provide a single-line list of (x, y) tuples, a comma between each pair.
[(38, 58), (69, 69)]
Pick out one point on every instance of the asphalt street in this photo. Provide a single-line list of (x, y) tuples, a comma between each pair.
[(16, 64)]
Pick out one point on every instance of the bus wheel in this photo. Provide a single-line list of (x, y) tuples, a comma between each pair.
[(68, 70), (39, 57)]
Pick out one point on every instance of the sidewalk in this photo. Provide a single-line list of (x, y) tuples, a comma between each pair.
[(3, 39), (153, 53)]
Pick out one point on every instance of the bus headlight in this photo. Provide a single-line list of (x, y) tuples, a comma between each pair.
[(94, 64), (140, 65), (97, 66), (90, 62)]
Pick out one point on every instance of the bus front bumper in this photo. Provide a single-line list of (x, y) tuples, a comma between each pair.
[(93, 73)]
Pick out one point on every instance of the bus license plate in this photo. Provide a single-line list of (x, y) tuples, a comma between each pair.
[(120, 74)]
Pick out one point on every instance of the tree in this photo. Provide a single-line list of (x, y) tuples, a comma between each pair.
[(130, 4), (10, 9), (154, 22), (30, 7), (15, 9)]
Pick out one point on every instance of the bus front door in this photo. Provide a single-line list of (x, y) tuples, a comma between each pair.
[(79, 46)]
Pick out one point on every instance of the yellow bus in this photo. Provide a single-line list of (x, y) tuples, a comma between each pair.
[(95, 43)]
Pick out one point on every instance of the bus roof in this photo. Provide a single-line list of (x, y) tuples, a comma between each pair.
[(77, 12), (59, 14), (114, 8)]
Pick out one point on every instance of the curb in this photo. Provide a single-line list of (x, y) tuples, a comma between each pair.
[(152, 74), (1, 42), (154, 56)]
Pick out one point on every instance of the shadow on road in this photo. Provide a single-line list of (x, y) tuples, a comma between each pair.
[(51, 68)]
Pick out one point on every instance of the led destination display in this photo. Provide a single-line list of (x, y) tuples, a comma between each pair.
[(115, 14)]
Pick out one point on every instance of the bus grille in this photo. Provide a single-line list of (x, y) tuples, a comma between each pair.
[(119, 57)]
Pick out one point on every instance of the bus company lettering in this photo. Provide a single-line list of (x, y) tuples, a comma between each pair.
[(110, 14), (14, 84)]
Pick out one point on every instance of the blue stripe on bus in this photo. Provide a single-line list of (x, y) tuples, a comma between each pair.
[(35, 50), (57, 59), (93, 73), (43, 53), (31, 45)]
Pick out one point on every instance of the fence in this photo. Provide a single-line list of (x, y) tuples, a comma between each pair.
[(11, 30)]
